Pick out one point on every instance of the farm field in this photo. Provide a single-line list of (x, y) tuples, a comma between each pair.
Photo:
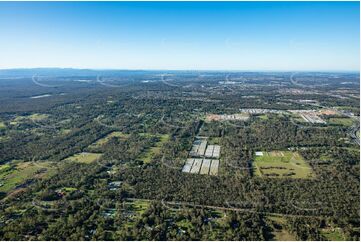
[(84, 157), (282, 164)]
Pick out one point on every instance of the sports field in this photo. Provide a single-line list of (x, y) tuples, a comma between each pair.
[(282, 164)]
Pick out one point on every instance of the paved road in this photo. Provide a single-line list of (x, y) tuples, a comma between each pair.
[(294, 82)]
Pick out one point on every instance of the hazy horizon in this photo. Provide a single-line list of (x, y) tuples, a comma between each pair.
[(185, 70)]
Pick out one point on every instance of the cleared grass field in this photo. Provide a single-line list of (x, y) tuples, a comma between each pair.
[(333, 234), (3, 138), (148, 155), (37, 117), (263, 117), (64, 131), (33, 117), (2, 125), (5, 167), (341, 121), (282, 164), (102, 141), (84, 157), (16, 173)]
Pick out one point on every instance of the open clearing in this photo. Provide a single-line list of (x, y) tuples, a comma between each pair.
[(84, 157), (280, 232), (282, 164), (102, 141), (2, 125), (16, 173), (33, 117), (148, 155), (341, 121), (333, 234), (64, 131), (263, 117), (37, 117)]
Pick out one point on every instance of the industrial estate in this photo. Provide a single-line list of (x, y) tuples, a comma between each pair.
[(203, 158)]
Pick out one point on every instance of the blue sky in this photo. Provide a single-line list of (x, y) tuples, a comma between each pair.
[(181, 35)]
